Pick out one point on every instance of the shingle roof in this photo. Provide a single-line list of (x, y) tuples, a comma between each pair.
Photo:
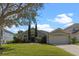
[(8, 31), (58, 30), (76, 24)]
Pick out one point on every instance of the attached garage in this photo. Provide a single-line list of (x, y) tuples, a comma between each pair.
[(58, 36)]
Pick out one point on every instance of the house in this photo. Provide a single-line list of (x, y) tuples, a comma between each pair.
[(7, 36), (40, 34), (73, 30), (58, 36), (61, 36)]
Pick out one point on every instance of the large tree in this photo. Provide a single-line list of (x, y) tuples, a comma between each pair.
[(16, 14)]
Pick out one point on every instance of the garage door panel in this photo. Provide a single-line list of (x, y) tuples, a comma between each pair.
[(59, 40)]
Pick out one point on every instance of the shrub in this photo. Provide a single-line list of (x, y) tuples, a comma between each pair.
[(74, 40), (41, 39), (17, 40), (8, 42), (32, 39), (38, 39), (44, 39)]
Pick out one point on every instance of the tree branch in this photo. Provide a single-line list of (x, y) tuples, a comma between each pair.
[(17, 10)]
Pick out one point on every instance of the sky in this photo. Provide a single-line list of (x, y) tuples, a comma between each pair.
[(53, 16)]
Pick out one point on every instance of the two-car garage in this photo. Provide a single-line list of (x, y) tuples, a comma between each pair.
[(58, 37)]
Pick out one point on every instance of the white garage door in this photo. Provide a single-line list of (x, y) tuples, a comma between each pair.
[(59, 40)]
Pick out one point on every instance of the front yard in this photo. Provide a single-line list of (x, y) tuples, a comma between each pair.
[(32, 49)]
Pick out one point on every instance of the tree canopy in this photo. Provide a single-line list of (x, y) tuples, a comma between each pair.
[(16, 13)]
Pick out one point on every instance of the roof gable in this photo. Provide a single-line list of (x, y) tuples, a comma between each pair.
[(74, 25), (59, 30), (8, 31)]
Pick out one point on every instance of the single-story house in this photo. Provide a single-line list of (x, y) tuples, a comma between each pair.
[(61, 36), (58, 36), (7, 36)]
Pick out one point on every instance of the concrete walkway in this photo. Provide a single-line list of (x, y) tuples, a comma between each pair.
[(73, 49)]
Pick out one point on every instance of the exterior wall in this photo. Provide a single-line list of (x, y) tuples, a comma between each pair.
[(75, 35), (7, 37)]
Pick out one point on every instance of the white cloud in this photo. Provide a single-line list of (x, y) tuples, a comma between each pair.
[(15, 29), (64, 18), (70, 14), (50, 20), (45, 27)]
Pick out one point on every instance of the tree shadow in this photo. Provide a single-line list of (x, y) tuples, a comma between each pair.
[(5, 49)]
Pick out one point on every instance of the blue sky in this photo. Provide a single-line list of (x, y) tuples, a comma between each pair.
[(54, 15)]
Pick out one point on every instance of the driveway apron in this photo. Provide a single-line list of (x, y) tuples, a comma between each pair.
[(73, 49)]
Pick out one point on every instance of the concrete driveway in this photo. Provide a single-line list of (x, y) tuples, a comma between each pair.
[(73, 49)]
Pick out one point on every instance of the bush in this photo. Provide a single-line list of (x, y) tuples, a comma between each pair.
[(16, 40), (44, 39), (40, 39), (8, 42), (74, 40), (32, 39)]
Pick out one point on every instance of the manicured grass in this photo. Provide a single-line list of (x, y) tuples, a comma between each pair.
[(31, 49)]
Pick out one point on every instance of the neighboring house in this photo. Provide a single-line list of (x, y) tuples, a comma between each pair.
[(73, 30), (7, 36), (58, 36)]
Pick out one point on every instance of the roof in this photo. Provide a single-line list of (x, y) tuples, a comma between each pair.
[(76, 24), (59, 30), (8, 31), (75, 32)]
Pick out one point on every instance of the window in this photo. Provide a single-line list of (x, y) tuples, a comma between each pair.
[(74, 30)]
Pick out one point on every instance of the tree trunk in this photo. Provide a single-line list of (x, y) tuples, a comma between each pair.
[(29, 30), (36, 33), (1, 35)]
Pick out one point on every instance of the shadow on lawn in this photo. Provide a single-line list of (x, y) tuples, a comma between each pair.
[(5, 49)]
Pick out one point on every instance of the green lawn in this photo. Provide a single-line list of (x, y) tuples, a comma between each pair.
[(31, 49), (76, 43)]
